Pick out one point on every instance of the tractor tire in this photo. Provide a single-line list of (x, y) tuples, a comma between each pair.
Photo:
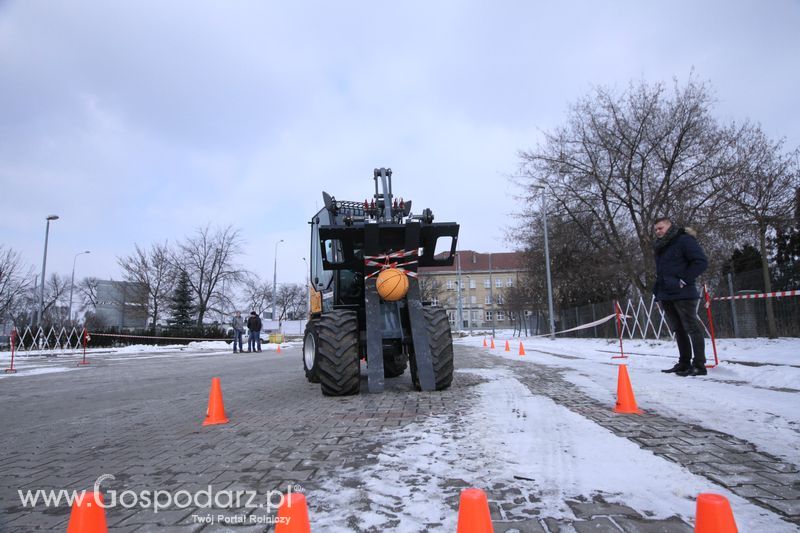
[(310, 344), (337, 360), (441, 345), (394, 362)]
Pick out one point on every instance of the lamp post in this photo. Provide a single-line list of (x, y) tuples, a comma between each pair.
[(275, 280), (460, 313), (72, 283), (308, 290), (469, 304), (44, 265), (547, 264)]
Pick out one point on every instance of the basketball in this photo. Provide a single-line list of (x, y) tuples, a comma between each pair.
[(392, 284)]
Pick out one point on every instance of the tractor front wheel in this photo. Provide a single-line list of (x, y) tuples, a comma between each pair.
[(338, 364), (441, 346)]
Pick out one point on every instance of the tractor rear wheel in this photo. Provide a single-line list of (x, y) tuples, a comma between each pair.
[(338, 364), (310, 351), (441, 345)]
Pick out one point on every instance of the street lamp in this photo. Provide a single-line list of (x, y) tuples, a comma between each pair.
[(547, 264), (275, 280), (44, 265), (460, 308), (72, 283), (308, 282), (469, 304)]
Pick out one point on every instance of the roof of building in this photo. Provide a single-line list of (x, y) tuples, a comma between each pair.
[(472, 261)]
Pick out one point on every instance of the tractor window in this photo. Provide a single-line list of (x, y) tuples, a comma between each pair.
[(443, 245), (319, 277)]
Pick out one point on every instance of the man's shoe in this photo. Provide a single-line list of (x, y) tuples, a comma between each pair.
[(676, 368), (690, 372)]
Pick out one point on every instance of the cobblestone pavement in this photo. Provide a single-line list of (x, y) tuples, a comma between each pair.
[(139, 419)]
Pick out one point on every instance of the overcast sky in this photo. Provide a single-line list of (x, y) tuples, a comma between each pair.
[(138, 122)]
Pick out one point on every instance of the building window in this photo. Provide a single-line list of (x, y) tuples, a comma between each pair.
[(488, 299), (434, 301), (487, 283), (510, 282), (449, 284), (475, 316), (451, 317), (498, 283), (473, 300), (500, 299), (488, 315), (471, 283), (501, 316)]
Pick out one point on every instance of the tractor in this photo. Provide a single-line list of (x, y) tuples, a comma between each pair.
[(365, 294)]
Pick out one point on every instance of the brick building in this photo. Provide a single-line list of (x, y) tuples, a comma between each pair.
[(473, 289)]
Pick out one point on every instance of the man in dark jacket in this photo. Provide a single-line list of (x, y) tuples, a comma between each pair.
[(254, 337), (679, 260)]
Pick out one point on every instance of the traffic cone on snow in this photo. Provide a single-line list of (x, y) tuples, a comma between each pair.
[(88, 515), (215, 414), (473, 512), (521, 348), (626, 402), (492, 347), (293, 515), (279, 347), (484, 342), (508, 348), (714, 514)]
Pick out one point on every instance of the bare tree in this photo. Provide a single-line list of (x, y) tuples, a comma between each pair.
[(258, 293), (430, 288), (56, 299), (291, 299), (152, 270), (87, 288), (209, 259), (15, 281), (624, 159), (759, 192)]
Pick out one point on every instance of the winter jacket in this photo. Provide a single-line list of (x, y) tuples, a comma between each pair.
[(681, 259), (238, 323), (254, 323)]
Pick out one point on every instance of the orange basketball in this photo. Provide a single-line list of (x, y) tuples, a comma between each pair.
[(392, 284)]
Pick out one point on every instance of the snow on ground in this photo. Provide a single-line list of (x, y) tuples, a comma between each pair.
[(760, 404), (554, 453), (64, 360)]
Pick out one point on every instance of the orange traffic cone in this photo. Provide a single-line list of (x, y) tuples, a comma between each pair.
[(484, 342), (492, 347), (215, 414), (88, 515), (279, 347), (521, 348), (473, 512), (714, 514), (626, 402), (293, 515), (508, 348)]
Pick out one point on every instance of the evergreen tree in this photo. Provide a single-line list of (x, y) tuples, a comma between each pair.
[(181, 305)]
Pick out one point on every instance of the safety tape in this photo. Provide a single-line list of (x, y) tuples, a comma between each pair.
[(585, 326), (154, 337), (385, 261), (778, 294)]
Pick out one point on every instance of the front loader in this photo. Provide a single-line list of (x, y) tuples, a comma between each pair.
[(352, 244)]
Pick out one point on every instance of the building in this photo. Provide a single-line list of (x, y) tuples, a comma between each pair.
[(121, 304), (473, 289)]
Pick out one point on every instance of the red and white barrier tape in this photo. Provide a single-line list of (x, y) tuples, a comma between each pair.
[(584, 326), (777, 294), (385, 261), (154, 337)]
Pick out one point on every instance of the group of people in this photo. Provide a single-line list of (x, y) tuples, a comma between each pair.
[(254, 332)]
